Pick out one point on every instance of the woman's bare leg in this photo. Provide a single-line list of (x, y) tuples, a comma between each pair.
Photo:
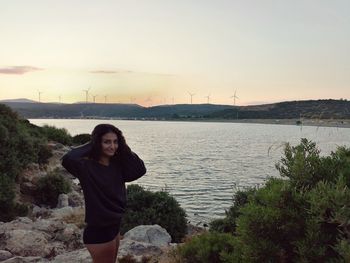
[(117, 241), (103, 253)]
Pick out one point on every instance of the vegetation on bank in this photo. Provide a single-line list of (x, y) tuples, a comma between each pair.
[(302, 217), (22, 143), (149, 208), (309, 109)]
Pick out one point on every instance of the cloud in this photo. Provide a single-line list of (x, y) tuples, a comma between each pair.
[(18, 70), (110, 71), (130, 72)]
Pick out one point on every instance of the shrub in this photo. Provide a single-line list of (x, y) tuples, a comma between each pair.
[(210, 247), (18, 148), (302, 218), (50, 187), (81, 138), (228, 223), (60, 135), (44, 154), (148, 208), (304, 167), (328, 225), (270, 223)]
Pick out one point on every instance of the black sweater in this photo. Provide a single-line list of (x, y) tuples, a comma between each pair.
[(103, 186)]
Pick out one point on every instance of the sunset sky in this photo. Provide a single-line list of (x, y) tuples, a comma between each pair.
[(154, 52)]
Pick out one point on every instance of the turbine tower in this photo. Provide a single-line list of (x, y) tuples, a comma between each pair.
[(86, 94), (94, 97), (59, 98), (191, 94), (208, 98), (39, 93), (149, 99), (105, 98), (234, 98)]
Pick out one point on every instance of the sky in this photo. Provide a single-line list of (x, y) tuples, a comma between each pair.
[(153, 52)]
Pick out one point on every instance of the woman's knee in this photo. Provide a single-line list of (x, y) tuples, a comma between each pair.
[(103, 253)]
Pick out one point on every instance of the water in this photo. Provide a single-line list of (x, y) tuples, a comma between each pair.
[(202, 163)]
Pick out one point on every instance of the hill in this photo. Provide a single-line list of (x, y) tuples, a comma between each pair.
[(309, 109)]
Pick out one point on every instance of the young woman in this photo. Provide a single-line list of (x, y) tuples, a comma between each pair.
[(102, 167)]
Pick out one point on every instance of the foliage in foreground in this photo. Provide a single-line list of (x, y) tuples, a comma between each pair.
[(21, 143), (50, 187), (148, 208), (303, 217)]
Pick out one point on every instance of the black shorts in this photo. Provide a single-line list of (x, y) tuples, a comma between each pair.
[(103, 234)]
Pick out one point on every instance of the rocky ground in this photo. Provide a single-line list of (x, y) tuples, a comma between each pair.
[(55, 235)]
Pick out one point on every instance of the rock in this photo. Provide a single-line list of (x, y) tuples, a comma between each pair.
[(62, 201), (138, 249), (48, 225), (62, 212), (19, 223), (4, 254), (27, 243), (75, 199), (77, 256), (25, 260), (41, 212), (71, 237), (153, 234)]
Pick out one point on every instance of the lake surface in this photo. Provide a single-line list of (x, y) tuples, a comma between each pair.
[(201, 164)]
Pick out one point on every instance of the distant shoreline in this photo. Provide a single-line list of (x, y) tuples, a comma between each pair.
[(336, 123)]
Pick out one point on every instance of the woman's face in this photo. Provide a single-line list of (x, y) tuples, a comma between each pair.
[(109, 144)]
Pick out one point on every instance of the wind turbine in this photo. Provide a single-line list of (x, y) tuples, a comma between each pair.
[(234, 98), (105, 98), (132, 99), (149, 99), (94, 97), (208, 98), (86, 94), (40, 92), (173, 100), (59, 98), (191, 94)]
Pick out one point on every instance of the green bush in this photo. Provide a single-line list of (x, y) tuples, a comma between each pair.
[(50, 187), (270, 223), (228, 223), (210, 247), (18, 148), (44, 154), (60, 135), (148, 208), (303, 217), (81, 138)]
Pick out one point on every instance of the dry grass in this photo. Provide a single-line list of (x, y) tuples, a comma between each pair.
[(76, 218)]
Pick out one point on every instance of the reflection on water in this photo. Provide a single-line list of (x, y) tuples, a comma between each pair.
[(201, 163)]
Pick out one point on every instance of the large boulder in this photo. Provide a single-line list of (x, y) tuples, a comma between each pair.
[(152, 234), (138, 249), (4, 254), (144, 241), (20, 259), (45, 238), (27, 243), (77, 256)]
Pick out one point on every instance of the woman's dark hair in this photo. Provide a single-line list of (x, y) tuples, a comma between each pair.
[(96, 139)]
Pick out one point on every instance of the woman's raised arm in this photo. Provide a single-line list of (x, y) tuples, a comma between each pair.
[(132, 167), (72, 160)]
